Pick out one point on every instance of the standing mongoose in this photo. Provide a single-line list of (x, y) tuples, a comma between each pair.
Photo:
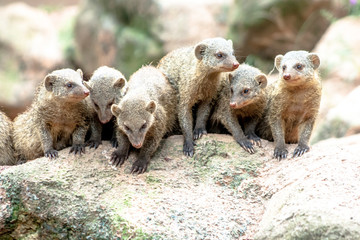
[(194, 73), (144, 115), (241, 98), (7, 156), (107, 86), (57, 118), (293, 103)]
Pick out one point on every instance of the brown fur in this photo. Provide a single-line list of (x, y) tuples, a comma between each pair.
[(107, 86), (7, 155), (195, 74), (144, 115), (241, 98), (57, 118), (293, 103)]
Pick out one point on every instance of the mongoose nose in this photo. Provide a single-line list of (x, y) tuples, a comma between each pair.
[(137, 145), (287, 77), (232, 104), (235, 65)]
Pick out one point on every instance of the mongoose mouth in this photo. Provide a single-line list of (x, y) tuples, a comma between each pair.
[(234, 105)]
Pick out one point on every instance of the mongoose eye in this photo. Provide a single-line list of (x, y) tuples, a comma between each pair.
[(299, 67), (69, 85), (143, 126), (246, 91), (231, 91), (110, 104), (219, 55), (96, 106), (283, 68), (127, 128)]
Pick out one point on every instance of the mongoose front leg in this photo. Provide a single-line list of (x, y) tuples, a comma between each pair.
[(79, 140), (305, 134), (113, 140), (147, 150), (47, 142), (249, 129), (95, 137), (119, 156), (202, 116), (277, 130), (231, 123), (185, 119)]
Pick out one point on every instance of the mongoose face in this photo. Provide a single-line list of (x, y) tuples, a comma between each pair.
[(106, 86), (67, 85), (297, 67), (134, 118), (217, 54), (247, 84)]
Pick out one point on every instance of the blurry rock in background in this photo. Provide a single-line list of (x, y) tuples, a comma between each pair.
[(263, 29), (30, 47)]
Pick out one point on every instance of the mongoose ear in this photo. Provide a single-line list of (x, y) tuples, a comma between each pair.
[(230, 41), (87, 85), (49, 82), (80, 72), (277, 62), (119, 83), (200, 50), (314, 59), (262, 80), (115, 110), (151, 107)]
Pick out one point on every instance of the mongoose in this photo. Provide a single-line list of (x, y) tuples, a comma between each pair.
[(143, 116), (7, 156), (107, 86), (57, 118), (195, 74), (293, 103), (241, 98)]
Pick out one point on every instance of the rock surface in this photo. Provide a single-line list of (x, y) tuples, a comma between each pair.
[(220, 193)]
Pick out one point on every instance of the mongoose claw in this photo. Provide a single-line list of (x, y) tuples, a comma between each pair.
[(199, 132), (77, 148), (280, 153), (118, 159), (300, 150), (188, 149), (139, 167), (246, 145), (93, 144), (52, 154)]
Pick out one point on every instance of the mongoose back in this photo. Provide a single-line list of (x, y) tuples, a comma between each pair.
[(57, 118), (144, 115), (293, 103), (7, 155), (195, 74), (241, 98), (107, 86)]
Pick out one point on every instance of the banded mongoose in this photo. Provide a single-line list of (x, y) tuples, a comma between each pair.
[(293, 103), (143, 116), (7, 155), (195, 74), (241, 99), (57, 118), (107, 86)]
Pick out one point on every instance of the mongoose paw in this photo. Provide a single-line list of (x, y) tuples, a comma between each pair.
[(51, 154), (118, 158), (77, 148), (93, 143), (199, 132), (255, 140), (300, 150), (246, 145), (114, 142), (139, 167), (188, 148), (280, 153)]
